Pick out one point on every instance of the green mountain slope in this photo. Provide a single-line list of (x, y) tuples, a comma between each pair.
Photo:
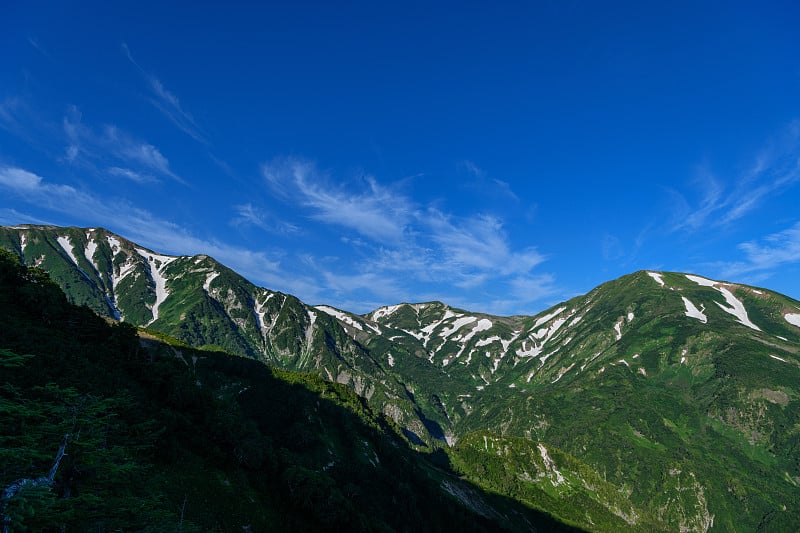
[(658, 401), (164, 437), (207, 305)]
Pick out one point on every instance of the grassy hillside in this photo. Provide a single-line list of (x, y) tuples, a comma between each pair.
[(657, 401), (163, 437)]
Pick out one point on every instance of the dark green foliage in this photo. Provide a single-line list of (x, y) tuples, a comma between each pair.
[(690, 421), (163, 437)]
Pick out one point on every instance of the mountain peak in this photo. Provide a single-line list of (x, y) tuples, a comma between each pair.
[(638, 387)]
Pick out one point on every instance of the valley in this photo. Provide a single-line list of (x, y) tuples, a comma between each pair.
[(657, 401)]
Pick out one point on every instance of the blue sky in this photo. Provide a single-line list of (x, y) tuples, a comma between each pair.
[(500, 158)]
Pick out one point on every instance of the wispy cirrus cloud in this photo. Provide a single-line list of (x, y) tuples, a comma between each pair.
[(406, 250), (376, 212), (766, 254), (487, 185), (167, 102), (12, 217), (775, 169), (113, 149), (34, 42), (141, 226), (478, 243), (104, 150), (132, 175), (23, 121), (250, 215)]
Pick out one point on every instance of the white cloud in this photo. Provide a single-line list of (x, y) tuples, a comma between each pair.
[(454, 259), (129, 149), (250, 215), (533, 288), (21, 120), (131, 175), (774, 169), (405, 251), (140, 226), (88, 147), (478, 243), (37, 46), (492, 187), (473, 169), (167, 103), (12, 217), (19, 180), (8, 112), (375, 212), (383, 287), (772, 252)]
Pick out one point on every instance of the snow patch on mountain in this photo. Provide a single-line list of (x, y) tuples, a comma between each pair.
[(533, 351), (618, 328), (550, 465), (390, 359), (540, 338), (548, 316), (482, 325), (258, 311), (342, 317), (487, 341), (88, 252), (384, 311), (548, 333), (693, 312), (312, 318), (427, 331), (124, 271), (458, 324), (705, 282), (793, 319), (736, 306), (656, 276), (209, 278), (66, 245), (114, 243), (416, 335), (158, 263)]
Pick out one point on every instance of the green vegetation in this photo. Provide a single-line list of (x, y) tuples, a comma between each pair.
[(163, 437), (616, 410)]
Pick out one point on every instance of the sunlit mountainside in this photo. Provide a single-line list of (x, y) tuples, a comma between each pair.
[(657, 401)]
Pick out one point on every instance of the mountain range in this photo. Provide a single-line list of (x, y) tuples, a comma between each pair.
[(657, 401)]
